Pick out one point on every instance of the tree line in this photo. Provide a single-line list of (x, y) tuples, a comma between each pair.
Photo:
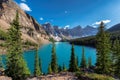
[(108, 56)]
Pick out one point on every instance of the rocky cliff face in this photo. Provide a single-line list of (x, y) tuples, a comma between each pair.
[(55, 32), (30, 28)]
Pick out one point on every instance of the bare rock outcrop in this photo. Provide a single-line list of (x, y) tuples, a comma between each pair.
[(30, 28), (5, 78), (60, 76)]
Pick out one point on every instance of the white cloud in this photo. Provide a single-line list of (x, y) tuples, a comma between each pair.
[(104, 21), (25, 7), (67, 26), (94, 26), (23, 0), (41, 19)]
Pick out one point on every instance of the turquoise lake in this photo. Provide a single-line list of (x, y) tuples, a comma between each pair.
[(63, 51)]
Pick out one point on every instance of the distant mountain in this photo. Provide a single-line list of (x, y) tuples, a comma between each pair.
[(55, 32), (115, 31), (91, 40), (62, 33), (76, 31), (115, 28), (89, 31)]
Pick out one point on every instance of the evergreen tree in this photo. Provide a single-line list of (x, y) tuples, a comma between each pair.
[(89, 62), (73, 63), (37, 71), (40, 65), (77, 61), (116, 54), (54, 65), (49, 69), (83, 63), (16, 66), (59, 68), (103, 51), (64, 67), (1, 63)]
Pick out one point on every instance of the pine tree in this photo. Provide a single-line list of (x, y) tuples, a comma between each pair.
[(64, 67), (73, 63), (116, 54), (103, 51), (54, 65), (59, 68), (1, 63), (40, 65), (83, 63), (89, 62), (49, 69), (37, 71), (16, 66), (77, 61)]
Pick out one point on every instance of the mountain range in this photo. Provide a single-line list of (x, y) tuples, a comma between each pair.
[(68, 33), (34, 32), (115, 28)]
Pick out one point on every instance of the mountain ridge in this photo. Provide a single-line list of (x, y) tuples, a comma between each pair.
[(69, 33), (114, 28)]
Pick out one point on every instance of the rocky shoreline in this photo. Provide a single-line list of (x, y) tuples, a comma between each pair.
[(59, 76)]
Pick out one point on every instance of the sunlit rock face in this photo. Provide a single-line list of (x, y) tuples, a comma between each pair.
[(30, 28), (5, 78)]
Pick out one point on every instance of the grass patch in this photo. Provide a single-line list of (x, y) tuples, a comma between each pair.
[(93, 76)]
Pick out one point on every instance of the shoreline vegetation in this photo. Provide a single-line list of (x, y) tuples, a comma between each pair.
[(27, 45), (106, 68), (91, 40)]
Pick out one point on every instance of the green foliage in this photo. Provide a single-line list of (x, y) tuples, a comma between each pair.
[(28, 43), (87, 41), (1, 63), (3, 45), (77, 61), (103, 51), (51, 39), (89, 62), (49, 69), (3, 35), (93, 76), (16, 66), (83, 63), (73, 63), (54, 65), (59, 68), (40, 65), (116, 57), (37, 71), (64, 67)]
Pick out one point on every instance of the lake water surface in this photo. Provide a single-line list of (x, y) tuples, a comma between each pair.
[(63, 51)]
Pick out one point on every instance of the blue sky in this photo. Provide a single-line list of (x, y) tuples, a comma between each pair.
[(71, 13)]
